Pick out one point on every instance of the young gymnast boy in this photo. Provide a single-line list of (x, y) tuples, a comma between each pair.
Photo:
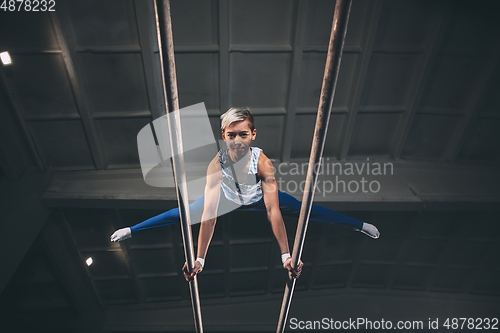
[(241, 177)]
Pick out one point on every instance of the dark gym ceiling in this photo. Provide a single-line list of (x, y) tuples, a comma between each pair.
[(418, 87)]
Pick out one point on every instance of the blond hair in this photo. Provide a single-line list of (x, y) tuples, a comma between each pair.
[(236, 114)]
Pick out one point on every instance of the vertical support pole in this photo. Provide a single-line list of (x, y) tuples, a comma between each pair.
[(167, 61), (335, 48)]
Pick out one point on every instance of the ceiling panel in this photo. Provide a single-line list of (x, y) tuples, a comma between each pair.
[(440, 225), (211, 285), (370, 275), (215, 252), (161, 288), (333, 276), (388, 79), (115, 291), (491, 227), (250, 255), (42, 83), (339, 249), (425, 251), (385, 249), (198, 79), (310, 251), (115, 82), (194, 22), (320, 17), (114, 17), (429, 136), (453, 81), (487, 282), (39, 33), (119, 139), (153, 261), (90, 227), (279, 275), (248, 283), (245, 225), (395, 224), (473, 27), (319, 22), (303, 133), (260, 22), (373, 134), (411, 277), (311, 80), (483, 141), (312, 69), (268, 138), (451, 280), (404, 23), (491, 108), (63, 143), (467, 253), (259, 74)]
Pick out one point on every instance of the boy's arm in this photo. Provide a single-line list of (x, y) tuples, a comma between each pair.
[(209, 216), (265, 172)]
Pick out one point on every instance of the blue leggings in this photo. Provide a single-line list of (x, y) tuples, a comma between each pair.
[(289, 206)]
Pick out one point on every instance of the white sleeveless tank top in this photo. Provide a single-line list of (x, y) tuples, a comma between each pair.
[(245, 193)]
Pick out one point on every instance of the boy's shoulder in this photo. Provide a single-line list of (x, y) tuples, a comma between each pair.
[(215, 164), (264, 161)]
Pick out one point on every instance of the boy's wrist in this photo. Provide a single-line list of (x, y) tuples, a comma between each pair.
[(285, 256), (201, 261)]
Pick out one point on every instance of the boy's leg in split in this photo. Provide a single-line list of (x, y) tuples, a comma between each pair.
[(172, 216), (169, 217), (290, 206)]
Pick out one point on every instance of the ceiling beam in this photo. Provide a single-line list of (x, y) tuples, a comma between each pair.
[(68, 45), (15, 154), (144, 15), (409, 186), (294, 83), (437, 27), (17, 107), (360, 81)]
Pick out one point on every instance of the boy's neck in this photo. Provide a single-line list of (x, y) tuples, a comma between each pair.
[(234, 159)]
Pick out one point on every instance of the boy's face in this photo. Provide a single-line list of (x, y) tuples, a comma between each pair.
[(238, 137)]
